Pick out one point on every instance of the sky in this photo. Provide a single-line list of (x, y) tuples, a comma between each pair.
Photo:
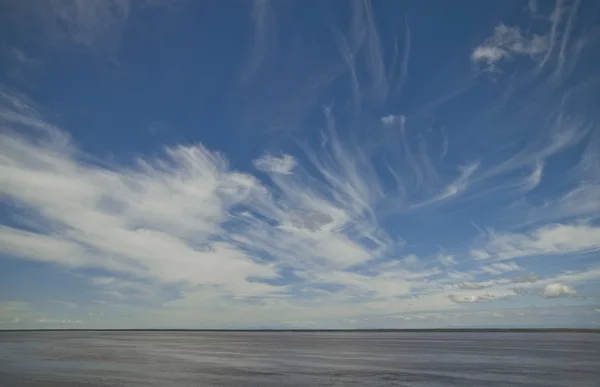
[(299, 164)]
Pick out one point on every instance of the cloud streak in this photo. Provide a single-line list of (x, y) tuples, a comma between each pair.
[(550, 239)]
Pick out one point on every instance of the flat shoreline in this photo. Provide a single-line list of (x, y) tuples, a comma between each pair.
[(449, 330)]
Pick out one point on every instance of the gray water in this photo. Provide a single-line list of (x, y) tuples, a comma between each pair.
[(298, 359)]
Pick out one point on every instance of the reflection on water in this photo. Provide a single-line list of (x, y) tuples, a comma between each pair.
[(297, 359)]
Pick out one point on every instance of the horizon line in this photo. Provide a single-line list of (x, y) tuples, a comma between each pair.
[(581, 330)]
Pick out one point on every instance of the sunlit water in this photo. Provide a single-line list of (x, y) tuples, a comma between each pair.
[(298, 359)]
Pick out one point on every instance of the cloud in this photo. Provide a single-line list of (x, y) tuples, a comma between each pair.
[(136, 220), (95, 26), (349, 224), (92, 26), (467, 299), (121, 290), (479, 255), (390, 119), (472, 285), (410, 260), (57, 321), (507, 43), (526, 278), (363, 44), (184, 218), (522, 291), (381, 286), (535, 178), (583, 200), (488, 54), (558, 290), (455, 188), (500, 268), (556, 44), (446, 260), (265, 37), (550, 239), (279, 165), (554, 287)]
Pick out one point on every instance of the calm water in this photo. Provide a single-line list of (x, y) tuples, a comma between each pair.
[(298, 359)]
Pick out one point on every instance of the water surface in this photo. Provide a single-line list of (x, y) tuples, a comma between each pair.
[(298, 359)]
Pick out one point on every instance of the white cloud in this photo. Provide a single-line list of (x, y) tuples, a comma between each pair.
[(580, 201), (479, 255), (506, 43), (533, 284), (391, 118), (382, 286), (549, 239), (488, 54), (278, 165), (185, 217), (446, 260), (535, 178), (410, 260), (456, 187), (467, 299), (558, 290), (500, 268)]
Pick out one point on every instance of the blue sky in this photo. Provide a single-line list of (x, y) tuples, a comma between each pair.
[(299, 164)]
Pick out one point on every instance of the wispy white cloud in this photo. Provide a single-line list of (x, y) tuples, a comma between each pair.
[(363, 42), (549, 239), (265, 37), (446, 260), (186, 217), (95, 26), (535, 178), (453, 189), (500, 268), (279, 165)]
